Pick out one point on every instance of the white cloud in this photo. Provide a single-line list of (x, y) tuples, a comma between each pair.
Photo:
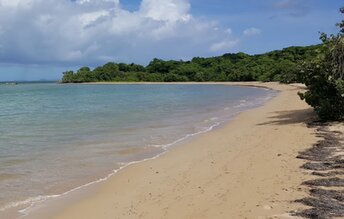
[(94, 31), (98, 2), (223, 45), (252, 31), (90, 18), (228, 31), (15, 3), (166, 10)]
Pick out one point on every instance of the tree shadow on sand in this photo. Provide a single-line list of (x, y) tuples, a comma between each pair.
[(290, 117), (324, 160)]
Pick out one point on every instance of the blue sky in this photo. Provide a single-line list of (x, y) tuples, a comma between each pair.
[(38, 41)]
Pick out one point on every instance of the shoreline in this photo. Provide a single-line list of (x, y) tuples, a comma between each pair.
[(21, 207), (63, 212)]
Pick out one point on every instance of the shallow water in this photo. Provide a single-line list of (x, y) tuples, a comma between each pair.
[(55, 137)]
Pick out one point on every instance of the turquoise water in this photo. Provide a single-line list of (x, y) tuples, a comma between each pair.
[(54, 138)]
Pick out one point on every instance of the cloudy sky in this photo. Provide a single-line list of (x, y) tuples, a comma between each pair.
[(41, 38)]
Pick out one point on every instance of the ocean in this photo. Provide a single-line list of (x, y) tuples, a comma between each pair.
[(55, 138)]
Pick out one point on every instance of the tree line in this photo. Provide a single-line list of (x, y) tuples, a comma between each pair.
[(279, 65)]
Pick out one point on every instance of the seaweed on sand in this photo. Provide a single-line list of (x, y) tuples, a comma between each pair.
[(326, 161)]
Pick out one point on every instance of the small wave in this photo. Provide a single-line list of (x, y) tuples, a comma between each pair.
[(214, 118), (33, 201), (165, 146)]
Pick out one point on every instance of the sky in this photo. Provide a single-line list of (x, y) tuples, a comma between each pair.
[(39, 39)]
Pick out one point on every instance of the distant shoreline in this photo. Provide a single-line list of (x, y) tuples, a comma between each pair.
[(257, 84), (29, 82)]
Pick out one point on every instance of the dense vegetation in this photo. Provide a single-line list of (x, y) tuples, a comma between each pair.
[(281, 65), (324, 77)]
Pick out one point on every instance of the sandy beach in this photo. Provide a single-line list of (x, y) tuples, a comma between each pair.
[(245, 169)]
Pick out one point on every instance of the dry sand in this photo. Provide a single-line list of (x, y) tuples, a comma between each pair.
[(246, 169)]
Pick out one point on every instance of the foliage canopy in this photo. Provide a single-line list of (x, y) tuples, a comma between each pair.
[(279, 65), (324, 77)]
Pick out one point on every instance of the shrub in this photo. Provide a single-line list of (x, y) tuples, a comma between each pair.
[(324, 78)]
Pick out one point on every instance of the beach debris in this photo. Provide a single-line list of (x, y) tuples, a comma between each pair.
[(322, 165), (322, 208), (328, 194), (321, 151), (328, 174), (326, 159), (325, 182)]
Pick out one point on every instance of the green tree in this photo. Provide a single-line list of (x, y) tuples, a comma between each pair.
[(324, 77), (170, 77), (68, 77)]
